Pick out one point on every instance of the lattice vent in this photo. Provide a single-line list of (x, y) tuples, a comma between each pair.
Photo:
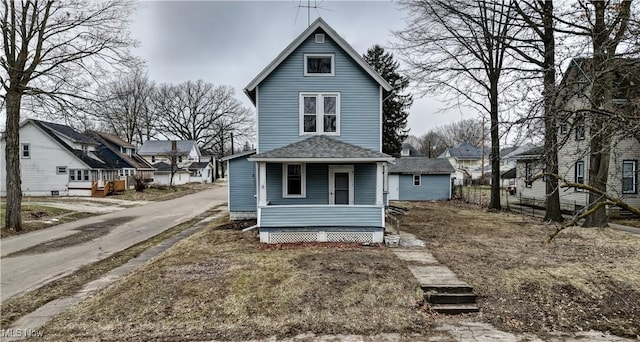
[(349, 237), (291, 237)]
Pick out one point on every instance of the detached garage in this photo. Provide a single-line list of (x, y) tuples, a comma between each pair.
[(420, 179)]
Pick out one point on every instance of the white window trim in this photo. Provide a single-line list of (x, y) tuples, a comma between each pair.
[(303, 177), (341, 168), (634, 176), (575, 174), (22, 156), (333, 64), (419, 179), (319, 112)]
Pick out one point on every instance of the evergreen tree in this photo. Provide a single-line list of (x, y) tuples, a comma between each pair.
[(395, 108)]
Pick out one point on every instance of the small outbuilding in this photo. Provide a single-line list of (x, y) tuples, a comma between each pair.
[(420, 179)]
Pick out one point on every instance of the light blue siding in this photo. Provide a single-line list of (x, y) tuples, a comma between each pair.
[(364, 184), (278, 122), (307, 216), (433, 187), (242, 185), (318, 185)]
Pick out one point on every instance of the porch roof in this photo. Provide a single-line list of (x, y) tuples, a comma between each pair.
[(320, 148)]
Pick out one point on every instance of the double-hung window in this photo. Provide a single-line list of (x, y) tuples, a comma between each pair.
[(25, 151), (629, 176), (417, 180), (320, 113), (579, 173), (293, 180), (580, 127), (528, 174)]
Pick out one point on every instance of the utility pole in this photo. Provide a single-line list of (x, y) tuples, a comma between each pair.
[(482, 153)]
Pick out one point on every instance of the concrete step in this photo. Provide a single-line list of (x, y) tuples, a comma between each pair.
[(450, 298), (446, 288), (454, 309)]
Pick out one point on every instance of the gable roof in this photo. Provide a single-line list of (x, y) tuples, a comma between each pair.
[(462, 150), (320, 147), (534, 153), (49, 128), (163, 167), (109, 142), (318, 23), (163, 147), (68, 132), (422, 165), (198, 165), (413, 152)]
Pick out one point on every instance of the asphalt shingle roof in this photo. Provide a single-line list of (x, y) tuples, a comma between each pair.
[(197, 165), (463, 150), (533, 153), (321, 147), (163, 147), (422, 165), (67, 131)]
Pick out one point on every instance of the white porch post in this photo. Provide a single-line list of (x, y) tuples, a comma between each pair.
[(262, 184), (379, 183)]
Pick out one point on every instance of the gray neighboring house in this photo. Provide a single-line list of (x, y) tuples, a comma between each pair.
[(420, 179)]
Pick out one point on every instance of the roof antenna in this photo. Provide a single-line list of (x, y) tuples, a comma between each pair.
[(309, 6)]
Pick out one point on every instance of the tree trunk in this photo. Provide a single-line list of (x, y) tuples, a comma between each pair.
[(13, 220), (495, 149), (599, 132), (553, 212)]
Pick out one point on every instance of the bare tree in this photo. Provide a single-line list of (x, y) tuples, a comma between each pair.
[(197, 111), (605, 24), (459, 48), (52, 52), (124, 107)]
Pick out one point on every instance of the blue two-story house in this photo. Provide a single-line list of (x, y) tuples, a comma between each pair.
[(318, 171)]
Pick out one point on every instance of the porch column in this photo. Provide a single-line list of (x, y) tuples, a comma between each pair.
[(379, 183), (262, 183)]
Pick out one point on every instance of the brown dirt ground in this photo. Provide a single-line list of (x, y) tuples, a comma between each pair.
[(219, 284), (584, 279)]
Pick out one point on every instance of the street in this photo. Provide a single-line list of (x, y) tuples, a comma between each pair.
[(31, 260)]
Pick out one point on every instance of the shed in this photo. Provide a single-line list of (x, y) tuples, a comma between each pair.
[(420, 179)]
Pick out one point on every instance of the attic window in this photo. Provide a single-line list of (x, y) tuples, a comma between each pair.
[(318, 65), (319, 38)]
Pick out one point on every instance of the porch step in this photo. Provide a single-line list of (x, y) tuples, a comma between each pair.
[(454, 309), (430, 288), (451, 298)]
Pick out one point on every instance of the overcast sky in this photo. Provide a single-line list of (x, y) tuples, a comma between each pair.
[(230, 42)]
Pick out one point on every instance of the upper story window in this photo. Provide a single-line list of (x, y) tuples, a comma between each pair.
[(629, 176), (320, 113), (580, 127), (25, 151), (319, 65)]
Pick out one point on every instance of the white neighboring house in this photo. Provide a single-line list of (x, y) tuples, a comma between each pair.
[(202, 172), (574, 132), (467, 160), (155, 151), (56, 160), (162, 175)]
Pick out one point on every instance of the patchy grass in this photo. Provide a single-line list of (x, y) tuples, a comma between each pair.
[(163, 193), (34, 217), (585, 279), (68, 285), (219, 284)]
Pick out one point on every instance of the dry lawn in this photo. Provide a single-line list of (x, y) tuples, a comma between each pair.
[(34, 217), (584, 279), (222, 284)]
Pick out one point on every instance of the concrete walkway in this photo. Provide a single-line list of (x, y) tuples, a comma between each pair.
[(33, 321)]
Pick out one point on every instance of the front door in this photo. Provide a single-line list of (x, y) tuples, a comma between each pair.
[(341, 185)]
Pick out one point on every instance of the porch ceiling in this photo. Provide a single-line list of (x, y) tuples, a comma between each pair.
[(321, 148)]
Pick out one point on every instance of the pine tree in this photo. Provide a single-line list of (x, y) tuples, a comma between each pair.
[(395, 108)]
